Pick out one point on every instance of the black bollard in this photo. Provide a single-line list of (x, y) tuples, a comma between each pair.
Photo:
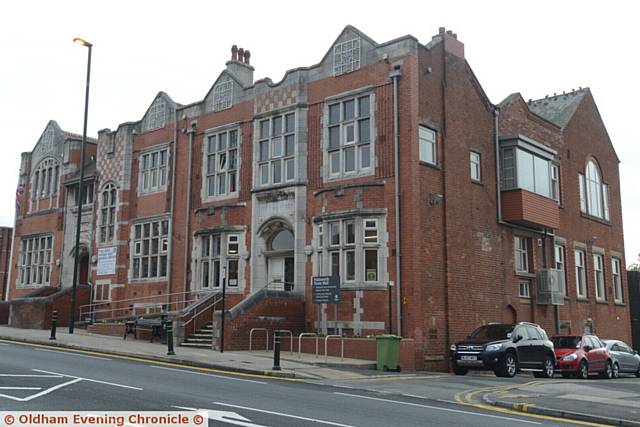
[(170, 351), (54, 321), (276, 351)]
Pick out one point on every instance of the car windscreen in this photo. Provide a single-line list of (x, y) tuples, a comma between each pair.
[(492, 332), (566, 342)]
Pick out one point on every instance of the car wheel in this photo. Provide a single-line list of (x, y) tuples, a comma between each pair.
[(608, 371), (548, 369), (459, 370), (616, 370), (508, 367), (583, 370)]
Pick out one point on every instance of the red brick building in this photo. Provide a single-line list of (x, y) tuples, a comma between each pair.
[(6, 240), (264, 185)]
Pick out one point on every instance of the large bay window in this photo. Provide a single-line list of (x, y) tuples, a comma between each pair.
[(594, 194), (218, 254), (150, 247), (276, 150), (349, 131), (528, 165), (222, 164), (351, 248), (34, 263)]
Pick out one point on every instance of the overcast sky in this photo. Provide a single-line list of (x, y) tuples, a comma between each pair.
[(180, 47)]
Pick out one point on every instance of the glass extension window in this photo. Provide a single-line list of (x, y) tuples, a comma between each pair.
[(594, 194), (276, 150), (427, 148), (349, 131), (217, 253), (222, 164), (35, 261), (581, 277), (352, 247), (108, 202), (598, 273), (521, 254), (222, 95), (346, 57), (153, 171), (150, 247), (617, 280)]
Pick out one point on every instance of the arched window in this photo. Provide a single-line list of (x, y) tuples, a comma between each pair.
[(594, 194), (108, 200), (282, 241), (45, 179)]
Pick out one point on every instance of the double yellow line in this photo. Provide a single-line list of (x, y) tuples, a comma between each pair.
[(468, 397)]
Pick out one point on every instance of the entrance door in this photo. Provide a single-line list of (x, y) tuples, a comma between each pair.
[(280, 270), (84, 269)]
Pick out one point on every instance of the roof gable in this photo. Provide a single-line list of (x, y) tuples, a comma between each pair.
[(159, 112)]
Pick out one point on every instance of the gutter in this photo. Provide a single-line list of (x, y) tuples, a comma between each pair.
[(191, 131), (395, 75)]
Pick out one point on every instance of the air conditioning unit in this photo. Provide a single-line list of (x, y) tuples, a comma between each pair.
[(550, 286)]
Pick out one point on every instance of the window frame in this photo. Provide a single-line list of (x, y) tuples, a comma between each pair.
[(350, 142), (560, 262), (217, 260), (346, 51), (581, 273), (426, 146), (475, 166), (222, 97), (138, 247), (35, 261), (594, 192), (616, 274), (102, 287), (521, 254), (524, 285), (156, 117), (272, 159), (107, 221), (147, 170), (227, 172), (45, 179), (598, 277)]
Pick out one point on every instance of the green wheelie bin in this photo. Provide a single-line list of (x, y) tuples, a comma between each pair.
[(387, 351)]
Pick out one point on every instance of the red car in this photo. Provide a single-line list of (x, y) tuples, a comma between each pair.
[(581, 355)]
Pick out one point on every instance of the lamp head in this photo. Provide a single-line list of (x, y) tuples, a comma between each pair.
[(83, 42)]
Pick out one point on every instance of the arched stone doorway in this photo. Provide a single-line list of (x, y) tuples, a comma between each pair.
[(278, 252)]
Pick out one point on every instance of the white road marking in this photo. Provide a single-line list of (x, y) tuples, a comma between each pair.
[(331, 423), (225, 417), (20, 388), (31, 376), (208, 375), (73, 354), (89, 379), (42, 393), (436, 408)]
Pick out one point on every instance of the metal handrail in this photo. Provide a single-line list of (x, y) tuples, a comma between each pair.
[(258, 329), (215, 301), (286, 331), (306, 334), (326, 339)]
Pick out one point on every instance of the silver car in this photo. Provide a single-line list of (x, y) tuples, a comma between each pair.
[(625, 359)]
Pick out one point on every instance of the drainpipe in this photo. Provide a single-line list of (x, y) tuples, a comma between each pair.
[(395, 75), (553, 263), (172, 206), (191, 132), (496, 114)]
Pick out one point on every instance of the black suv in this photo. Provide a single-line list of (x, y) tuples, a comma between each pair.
[(505, 349)]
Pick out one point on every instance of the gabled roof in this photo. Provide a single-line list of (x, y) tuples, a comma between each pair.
[(558, 109)]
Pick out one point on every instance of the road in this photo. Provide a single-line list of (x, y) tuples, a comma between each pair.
[(45, 379)]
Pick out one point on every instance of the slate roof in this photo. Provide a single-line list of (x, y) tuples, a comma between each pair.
[(558, 109)]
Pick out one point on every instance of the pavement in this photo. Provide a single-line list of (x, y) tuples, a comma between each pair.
[(39, 379), (307, 366)]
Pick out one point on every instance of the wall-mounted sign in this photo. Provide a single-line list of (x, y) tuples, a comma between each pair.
[(326, 289), (107, 261)]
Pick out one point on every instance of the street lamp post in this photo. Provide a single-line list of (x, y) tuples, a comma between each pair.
[(72, 314)]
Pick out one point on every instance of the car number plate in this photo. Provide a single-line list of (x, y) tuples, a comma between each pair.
[(464, 357)]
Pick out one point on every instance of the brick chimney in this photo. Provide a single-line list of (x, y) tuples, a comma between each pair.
[(451, 42), (239, 66)]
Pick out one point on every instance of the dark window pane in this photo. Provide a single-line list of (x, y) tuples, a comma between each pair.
[(349, 159), (289, 145), (334, 137), (364, 132), (334, 113), (277, 126), (290, 123), (349, 110), (264, 129), (363, 106), (264, 150)]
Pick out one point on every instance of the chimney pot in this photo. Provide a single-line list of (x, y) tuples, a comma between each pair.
[(234, 52), (247, 57), (441, 30), (449, 32), (240, 54), (455, 36)]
